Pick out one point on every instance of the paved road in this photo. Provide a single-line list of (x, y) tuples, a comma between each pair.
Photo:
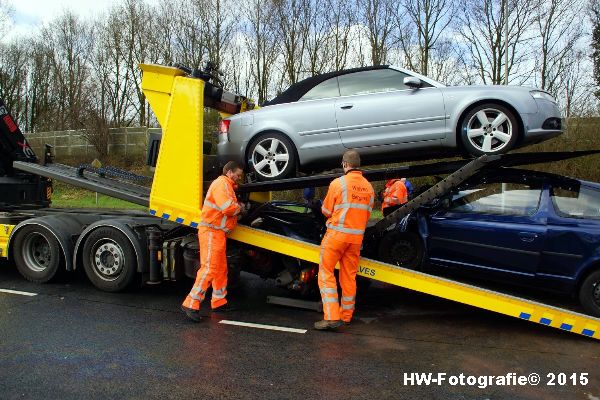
[(71, 341)]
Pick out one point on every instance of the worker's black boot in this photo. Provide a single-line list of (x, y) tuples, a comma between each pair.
[(192, 314), (224, 308), (325, 325)]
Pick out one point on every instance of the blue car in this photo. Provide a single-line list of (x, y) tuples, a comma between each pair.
[(517, 226)]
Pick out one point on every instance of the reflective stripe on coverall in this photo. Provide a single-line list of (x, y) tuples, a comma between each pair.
[(219, 216), (395, 194), (348, 206)]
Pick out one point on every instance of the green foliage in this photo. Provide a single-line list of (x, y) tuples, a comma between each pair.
[(67, 196)]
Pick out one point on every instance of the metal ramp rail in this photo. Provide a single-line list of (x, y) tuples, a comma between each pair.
[(74, 176)]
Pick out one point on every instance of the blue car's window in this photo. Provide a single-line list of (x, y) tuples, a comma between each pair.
[(323, 90), (582, 203), (374, 81), (498, 198)]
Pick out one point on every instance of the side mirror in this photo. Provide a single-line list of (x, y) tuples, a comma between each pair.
[(413, 82)]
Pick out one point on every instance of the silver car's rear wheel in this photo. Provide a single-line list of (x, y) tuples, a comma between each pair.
[(272, 156), (489, 129)]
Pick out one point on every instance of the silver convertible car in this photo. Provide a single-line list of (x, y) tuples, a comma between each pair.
[(387, 114)]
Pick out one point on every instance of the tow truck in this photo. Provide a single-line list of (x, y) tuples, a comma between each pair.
[(116, 247)]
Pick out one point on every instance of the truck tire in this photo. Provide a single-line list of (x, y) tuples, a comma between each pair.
[(37, 254), (109, 259), (589, 294)]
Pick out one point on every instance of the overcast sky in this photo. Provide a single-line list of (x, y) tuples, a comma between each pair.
[(30, 14)]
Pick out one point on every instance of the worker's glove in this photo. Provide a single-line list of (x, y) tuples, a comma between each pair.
[(245, 208)]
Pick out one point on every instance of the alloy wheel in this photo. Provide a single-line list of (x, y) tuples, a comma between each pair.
[(270, 157), (489, 130)]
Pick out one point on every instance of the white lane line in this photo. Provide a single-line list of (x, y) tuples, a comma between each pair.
[(261, 326), (18, 292)]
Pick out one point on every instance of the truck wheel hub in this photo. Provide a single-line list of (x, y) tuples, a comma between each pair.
[(108, 259), (36, 251)]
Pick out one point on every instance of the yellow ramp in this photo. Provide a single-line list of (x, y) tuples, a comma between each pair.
[(436, 286), (178, 102)]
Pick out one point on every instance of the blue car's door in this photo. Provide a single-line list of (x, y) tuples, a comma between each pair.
[(573, 233), (492, 227)]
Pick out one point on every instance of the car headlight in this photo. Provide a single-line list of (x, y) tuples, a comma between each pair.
[(540, 94)]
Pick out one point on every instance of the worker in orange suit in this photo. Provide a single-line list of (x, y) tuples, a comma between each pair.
[(219, 216), (394, 195), (347, 207)]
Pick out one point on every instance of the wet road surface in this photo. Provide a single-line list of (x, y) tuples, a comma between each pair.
[(71, 341)]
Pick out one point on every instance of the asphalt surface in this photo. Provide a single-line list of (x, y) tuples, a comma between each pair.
[(71, 341)]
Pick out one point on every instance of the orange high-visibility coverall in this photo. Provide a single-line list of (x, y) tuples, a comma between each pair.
[(219, 216), (347, 206), (395, 194)]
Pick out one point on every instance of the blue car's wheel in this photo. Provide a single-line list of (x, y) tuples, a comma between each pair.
[(401, 248), (589, 294)]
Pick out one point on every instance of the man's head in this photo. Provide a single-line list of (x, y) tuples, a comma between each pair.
[(234, 171), (350, 160)]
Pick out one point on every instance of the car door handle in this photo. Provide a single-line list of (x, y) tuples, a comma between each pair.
[(528, 237), (346, 106)]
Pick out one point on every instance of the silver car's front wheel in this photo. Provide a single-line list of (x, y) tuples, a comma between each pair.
[(272, 156), (489, 129)]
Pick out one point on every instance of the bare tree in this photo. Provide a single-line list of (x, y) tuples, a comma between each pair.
[(577, 87), (594, 9), (557, 36), (137, 27), (39, 99), (317, 55), (162, 33), (189, 39), (69, 41), (482, 29), (14, 61), (378, 17), (261, 43), (340, 16), (219, 25), (423, 31), (113, 76), (236, 65), (292, 19)]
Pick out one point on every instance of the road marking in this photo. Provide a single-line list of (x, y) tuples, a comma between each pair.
[(18, 292), (261, 326)]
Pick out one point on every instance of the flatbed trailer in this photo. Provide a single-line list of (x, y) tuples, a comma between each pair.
[(177, 97)]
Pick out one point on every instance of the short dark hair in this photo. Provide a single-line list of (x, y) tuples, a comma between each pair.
[(231, 166), (352, 158)]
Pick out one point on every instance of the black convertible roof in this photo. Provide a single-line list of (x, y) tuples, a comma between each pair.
[(299, 89)]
